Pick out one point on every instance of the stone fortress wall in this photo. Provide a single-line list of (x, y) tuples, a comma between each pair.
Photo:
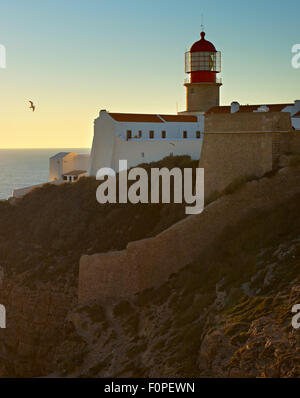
[(235, 147), (241, 146)]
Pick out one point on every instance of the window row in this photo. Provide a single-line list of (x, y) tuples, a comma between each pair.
[(129, 135)]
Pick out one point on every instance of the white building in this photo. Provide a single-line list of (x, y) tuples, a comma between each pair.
[(63, 167), (143, 138), (68, 166)]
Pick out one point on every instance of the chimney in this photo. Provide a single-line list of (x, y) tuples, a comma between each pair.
[(102, 112), (263, 108), (297, 104), (235, 107)]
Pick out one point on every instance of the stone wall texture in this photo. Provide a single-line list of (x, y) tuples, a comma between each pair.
[(150, 262), (235, 147), (228, 157), (294, 145), (245, 122)]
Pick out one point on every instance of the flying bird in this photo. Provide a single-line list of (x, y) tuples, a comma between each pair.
[(32, 106)]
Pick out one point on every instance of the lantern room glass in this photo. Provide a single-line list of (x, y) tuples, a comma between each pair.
[(202, 61)]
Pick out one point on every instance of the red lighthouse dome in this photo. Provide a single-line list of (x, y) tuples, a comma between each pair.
[(203, 45), (203, 62)]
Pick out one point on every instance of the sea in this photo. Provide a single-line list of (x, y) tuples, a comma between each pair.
[(24, 167)]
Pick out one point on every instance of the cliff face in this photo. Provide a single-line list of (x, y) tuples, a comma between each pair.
[(227, 316), (42, 237), (35, 319), (227, 313)]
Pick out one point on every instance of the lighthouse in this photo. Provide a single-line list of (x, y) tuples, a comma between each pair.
[(202, 64)]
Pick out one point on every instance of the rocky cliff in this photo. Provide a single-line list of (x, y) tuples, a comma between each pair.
[(226, 314)]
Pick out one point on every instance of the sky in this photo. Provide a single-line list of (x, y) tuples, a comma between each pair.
[(73, 58)]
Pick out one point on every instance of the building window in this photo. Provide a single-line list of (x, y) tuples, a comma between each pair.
[(151, 134), (140, 133), (128, 135), (143, 154), (171, 154), (163, 134), (185, 134), (198, 134)]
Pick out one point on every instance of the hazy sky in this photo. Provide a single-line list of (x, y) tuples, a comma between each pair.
[(75, 57)]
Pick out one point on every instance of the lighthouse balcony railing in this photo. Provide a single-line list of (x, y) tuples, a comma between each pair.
[(188, 80)]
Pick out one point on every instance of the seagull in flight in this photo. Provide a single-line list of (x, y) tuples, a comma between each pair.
[(32, 106)]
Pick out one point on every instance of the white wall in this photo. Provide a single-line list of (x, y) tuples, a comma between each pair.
[(61, 165), (81, 162), (103, 143), (110, 142), (54, 169), (69, 163), (20, 192), (173, 130), (133, 151)]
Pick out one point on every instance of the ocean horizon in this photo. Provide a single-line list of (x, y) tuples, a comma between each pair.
[(25, 167)]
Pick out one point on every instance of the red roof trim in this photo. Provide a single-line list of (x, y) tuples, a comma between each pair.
[(135, 117), (297, 114), (150, 118), (248, 108), (180, 118)]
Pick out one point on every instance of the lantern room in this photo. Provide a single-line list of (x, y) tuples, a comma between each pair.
[(203, 62)]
